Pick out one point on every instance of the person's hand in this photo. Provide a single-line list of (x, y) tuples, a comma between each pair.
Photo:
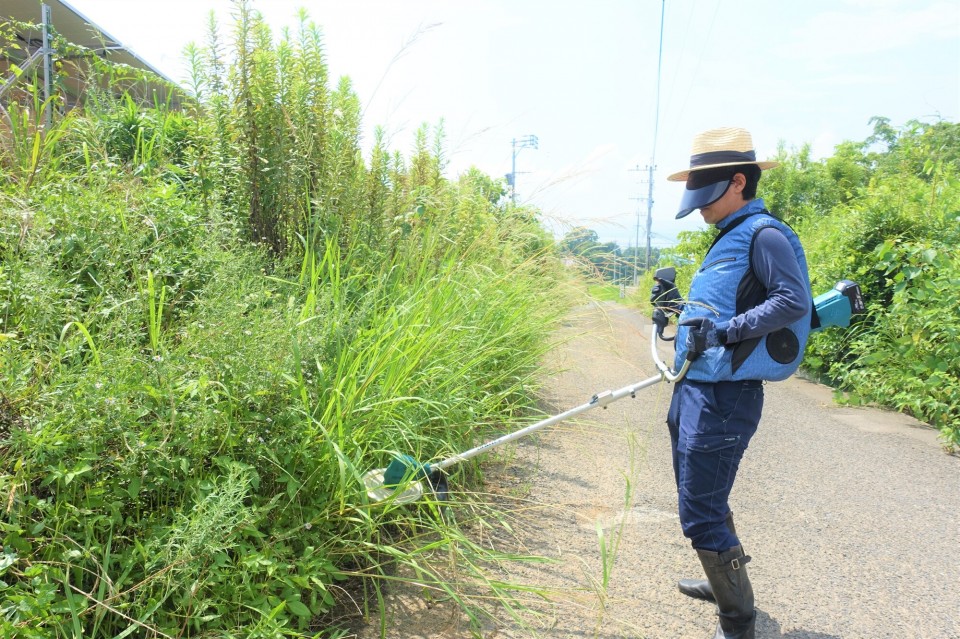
[(660, 319), (704, 334)]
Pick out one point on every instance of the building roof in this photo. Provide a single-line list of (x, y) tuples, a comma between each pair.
[(80, 30)]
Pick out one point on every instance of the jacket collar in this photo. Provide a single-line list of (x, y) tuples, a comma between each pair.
[(750, 208)]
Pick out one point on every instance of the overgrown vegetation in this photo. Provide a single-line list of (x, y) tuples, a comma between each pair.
[(213, 323), (884, 212), (606, 261)]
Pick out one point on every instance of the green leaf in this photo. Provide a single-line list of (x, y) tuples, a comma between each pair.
[(298, 608), (134, 488), (7, 560), (76, 472), (292, 488)]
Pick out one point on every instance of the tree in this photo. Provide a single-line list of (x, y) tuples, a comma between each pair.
[(579, 240)]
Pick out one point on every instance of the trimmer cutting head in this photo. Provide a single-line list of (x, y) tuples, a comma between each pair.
[(378, 490), (404, 467), (401, 483)]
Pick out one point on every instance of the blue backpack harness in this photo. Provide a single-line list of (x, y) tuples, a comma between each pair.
[(726, 268)]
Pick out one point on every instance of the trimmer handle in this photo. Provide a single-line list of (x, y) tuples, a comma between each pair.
[(665, 372), (659, 333)]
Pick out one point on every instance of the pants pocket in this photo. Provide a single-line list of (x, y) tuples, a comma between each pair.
[(737, 400), (709, 464)]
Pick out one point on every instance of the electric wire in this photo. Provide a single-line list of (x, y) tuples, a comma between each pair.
[(656, 117), (696, 69), (672, 89), (653, 151)]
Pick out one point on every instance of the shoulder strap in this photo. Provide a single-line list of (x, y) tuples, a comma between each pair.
[(734, 225), (815, 321)]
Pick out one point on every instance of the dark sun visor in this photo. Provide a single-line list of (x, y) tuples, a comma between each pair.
[(697, 196)]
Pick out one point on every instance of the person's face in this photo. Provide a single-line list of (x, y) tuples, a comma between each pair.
[(730, 202)]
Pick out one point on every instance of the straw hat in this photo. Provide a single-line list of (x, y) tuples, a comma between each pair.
[(728, 146)]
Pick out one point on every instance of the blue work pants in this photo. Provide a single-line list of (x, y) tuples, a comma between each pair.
[(710, 425)]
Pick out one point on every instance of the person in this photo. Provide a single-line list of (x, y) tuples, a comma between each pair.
[(744, 321)]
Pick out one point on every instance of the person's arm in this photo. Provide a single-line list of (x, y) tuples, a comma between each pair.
[(776, 267)]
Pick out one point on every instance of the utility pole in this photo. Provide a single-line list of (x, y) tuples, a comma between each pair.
[(656, 129), (650, 167), (636, 250), (649, 200), (527, 142), (649, 211)]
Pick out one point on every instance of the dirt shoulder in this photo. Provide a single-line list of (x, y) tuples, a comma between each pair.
[(852, 516)]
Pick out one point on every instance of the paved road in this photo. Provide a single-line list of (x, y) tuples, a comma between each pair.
[(852, 516)]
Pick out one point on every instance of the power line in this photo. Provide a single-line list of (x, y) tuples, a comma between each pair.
[(696, 69), (656, 121), (653, 153)]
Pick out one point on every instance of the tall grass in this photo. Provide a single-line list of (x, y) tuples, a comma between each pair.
[(213, 326), (27, 149)]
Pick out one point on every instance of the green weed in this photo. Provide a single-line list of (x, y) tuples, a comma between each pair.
[(212, 329)]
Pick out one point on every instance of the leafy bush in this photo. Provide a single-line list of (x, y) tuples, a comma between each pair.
[(911, 360), (199, 363)]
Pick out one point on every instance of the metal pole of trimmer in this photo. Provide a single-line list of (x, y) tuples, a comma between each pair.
[(599, 400), (399, 482), (404, 471)]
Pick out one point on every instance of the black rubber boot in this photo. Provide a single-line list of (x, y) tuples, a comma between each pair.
[(727, 574), (700, 588), (696, 588)]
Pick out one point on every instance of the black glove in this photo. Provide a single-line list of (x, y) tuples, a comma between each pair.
[(665, 295), (660, 319), (704, 334)]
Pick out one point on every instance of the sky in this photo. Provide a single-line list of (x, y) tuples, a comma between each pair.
[(582, 76)]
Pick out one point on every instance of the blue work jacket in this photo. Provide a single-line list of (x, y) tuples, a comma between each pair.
[(726, 287)]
